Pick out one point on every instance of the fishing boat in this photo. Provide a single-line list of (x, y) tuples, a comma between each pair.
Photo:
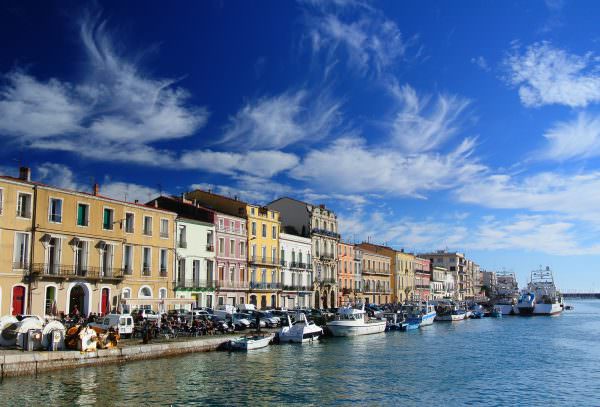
[(496, 313), (507, 293), (248, 343), (423, 314), (302, 330), (395, 321), (450, 312), (351, 321), (541, 297)]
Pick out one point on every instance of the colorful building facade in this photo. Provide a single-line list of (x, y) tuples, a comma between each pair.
[(376, 274), (349, 259), (422, 269), (296, 271)]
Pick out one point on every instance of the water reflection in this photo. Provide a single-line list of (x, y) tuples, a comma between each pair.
[(530, 361)]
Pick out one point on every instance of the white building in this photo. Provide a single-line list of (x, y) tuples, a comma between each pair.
[(296, 271)]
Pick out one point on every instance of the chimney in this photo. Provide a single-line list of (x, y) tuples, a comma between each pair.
[(96, 190), (322, 206), (25, 173), (156, 203)]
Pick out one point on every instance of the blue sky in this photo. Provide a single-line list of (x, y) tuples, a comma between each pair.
[(471, 126)]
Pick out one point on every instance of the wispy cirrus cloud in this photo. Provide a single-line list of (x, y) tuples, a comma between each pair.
[(547, 75), (575, 139), (115, 107), (370, 42), (283, 120), (360, 168), (423, 123)]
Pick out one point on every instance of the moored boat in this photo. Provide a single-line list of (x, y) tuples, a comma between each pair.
[(251, 342), (449, 312), (302, 330), (423, 314), (541, 297), (350, 321)]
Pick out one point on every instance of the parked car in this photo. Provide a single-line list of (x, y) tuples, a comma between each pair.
[(240, 321), (252, 319), (123, 323), (195, 314), (146, 314)]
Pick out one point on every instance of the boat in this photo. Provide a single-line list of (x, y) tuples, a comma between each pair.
[(450, 312), (506, 293), (496, 313), (423, 314), (248, 343), (302, 330), (351, 321), (541, 296), (395, 321)]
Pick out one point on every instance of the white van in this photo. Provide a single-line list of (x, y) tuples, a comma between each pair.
[(224, 311), (247, 307), (122, 322)]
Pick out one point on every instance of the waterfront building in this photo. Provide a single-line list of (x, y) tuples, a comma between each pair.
[(195, 283), (262, 226), (404, 276), (349, 258), (296, 271), (320, 224), (438, 278), (490, 282), (82, 251), (463, 269), (376, 274), (422, 268)]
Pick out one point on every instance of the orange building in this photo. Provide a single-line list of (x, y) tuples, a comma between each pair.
[(348, 289)]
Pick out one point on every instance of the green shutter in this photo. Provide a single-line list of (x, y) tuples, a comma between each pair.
[(81, 215), (106, 219)]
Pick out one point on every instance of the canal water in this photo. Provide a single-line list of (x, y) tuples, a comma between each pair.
[(550, 361)]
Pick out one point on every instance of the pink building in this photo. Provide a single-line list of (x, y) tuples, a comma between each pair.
[(231, 258), (422, 269)]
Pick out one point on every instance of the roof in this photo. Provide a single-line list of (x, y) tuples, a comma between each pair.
[(184, 209), (72, 191)]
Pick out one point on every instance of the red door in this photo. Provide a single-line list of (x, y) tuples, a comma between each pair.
[(18, 303), (105, 304)]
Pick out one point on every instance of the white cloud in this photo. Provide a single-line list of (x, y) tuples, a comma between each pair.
[(128, 192), (349, 166), (265, 163), (481, 62), (371, 43), (279, 121), (423, 125), (547, 75), (57, 175), (575, 195), (578, 138), (114, 108)]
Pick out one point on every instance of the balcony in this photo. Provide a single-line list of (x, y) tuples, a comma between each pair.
[(298, 265), (324, 232), (328, 281), (210, 247), (195, 284), (21, 265), (376, 272), (265, 286), (423, 286), (267, 261), (146, 271), (66, 272), (296, 287), (376, 290), (164, 235), (232, 285), (283, 263), (327, 257), (163, 272)]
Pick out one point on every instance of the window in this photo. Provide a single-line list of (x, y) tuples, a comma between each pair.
[(24, 205), (232, 226), (55, 210), (106, 260), (221, 246), (253, 228), (274, 232), (163, 262), (221, 224), (107, 220), (127, 259), (146, 261), (209, 241), (182, 237), (164, 228), (242, 249), (264, 253), (21, 253), (83, 214), (231, 248), (81, 257), (148, 225), (129, 220), (252, 211), (264, 230)]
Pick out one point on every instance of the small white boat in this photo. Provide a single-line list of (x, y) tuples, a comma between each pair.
[(350, 321), (450, 312), (251, 342), (300, 331)]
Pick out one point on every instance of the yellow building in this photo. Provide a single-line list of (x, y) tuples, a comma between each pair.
[(87, 252), (404, 276), (376, 274), (263, 226)]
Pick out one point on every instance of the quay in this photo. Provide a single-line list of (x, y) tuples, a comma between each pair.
[(19, 363)]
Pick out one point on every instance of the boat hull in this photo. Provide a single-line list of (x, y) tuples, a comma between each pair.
[(307, 335), (246, 344), (506, 309), (450, 318), (547, 309), (428, 319), (345, 329)]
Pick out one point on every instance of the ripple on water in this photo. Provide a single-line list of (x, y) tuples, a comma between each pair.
[(487, 362)]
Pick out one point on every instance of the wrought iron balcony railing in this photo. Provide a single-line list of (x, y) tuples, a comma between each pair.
[(265, 286), (195, 283), (325, 233), (62, 271)]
